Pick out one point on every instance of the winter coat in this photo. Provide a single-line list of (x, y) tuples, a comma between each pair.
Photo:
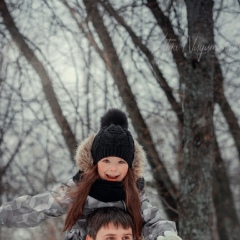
[(30, 211)]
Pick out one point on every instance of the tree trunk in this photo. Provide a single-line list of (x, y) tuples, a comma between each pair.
[(196, 204)]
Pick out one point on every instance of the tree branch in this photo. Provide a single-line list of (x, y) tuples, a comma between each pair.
[(19, 40)]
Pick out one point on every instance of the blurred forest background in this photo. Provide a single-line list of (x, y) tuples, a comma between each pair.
[(173, 66)]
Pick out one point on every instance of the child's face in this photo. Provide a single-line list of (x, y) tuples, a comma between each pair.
[(112, 168), (111, 232)]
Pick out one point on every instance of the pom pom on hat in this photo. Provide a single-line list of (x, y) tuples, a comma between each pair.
[(116, 117), (113, 139)]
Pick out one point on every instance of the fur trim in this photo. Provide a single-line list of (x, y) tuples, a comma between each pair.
[(138, 161), (83, 157), (84, 160)]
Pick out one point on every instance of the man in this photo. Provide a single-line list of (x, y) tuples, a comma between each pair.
[(112, 223), (109, 223)]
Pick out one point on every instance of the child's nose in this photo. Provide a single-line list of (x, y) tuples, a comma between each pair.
[(113, 168)]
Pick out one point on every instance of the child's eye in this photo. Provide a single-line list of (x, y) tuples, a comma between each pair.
[(105, 160), (122, 162)]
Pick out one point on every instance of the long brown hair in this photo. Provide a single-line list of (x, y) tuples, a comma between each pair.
[(133, 202), (80, 193)]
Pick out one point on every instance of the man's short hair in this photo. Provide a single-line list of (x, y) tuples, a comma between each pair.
[(101, 217)]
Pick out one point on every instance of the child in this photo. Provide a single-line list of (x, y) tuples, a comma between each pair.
[(111, 165), (109, 223)]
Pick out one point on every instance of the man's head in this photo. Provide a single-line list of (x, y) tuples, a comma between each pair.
[(109, 223)]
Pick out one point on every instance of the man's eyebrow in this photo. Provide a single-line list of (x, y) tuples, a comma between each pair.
[(127, 235)]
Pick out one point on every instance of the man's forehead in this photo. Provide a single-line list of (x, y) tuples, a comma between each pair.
[(113, 229)]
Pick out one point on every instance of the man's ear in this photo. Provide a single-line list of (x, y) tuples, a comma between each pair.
[(89, 238)]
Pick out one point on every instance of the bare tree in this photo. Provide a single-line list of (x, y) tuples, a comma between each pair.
[(88, 52)]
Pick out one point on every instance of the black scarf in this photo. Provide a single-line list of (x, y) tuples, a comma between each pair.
[(107, 191)]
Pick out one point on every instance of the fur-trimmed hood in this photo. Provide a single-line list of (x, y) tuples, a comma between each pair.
[(84, 159)]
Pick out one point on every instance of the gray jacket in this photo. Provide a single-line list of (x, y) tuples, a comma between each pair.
[(30, 211)]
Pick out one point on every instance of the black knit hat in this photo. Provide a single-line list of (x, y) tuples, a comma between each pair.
[(113, 139)]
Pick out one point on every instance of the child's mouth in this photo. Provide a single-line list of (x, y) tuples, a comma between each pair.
[(112, 177)]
